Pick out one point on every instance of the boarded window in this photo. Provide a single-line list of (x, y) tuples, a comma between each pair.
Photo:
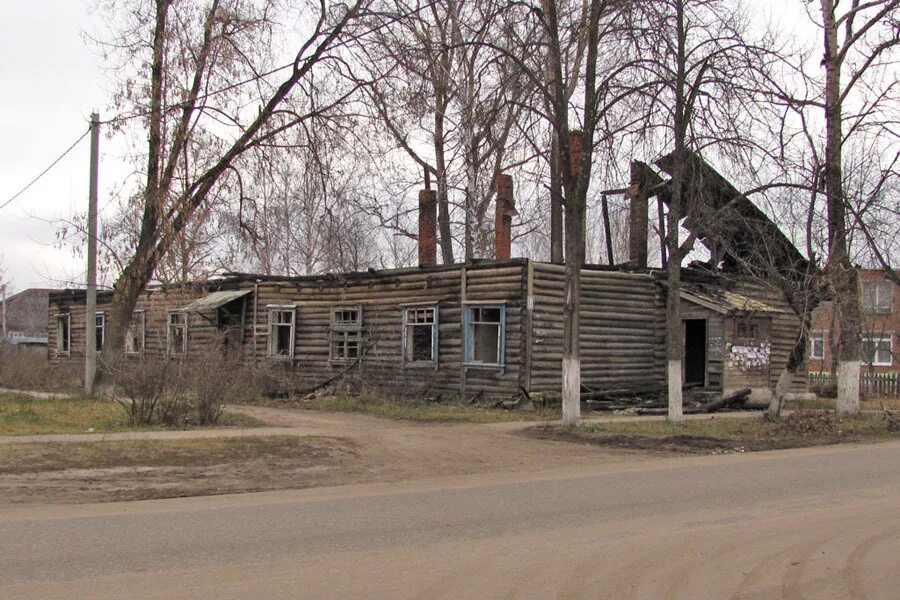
[(100, 330), (281, 331), (134, 338), (177, 333), (817, 345), (346, 333), (876, 350), (420, 334), (485, 333), (63, 334), (876, 297)]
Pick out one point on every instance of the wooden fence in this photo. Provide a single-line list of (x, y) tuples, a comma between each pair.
[(872, 385)]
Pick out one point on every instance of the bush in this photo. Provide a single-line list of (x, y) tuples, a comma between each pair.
[(24, 370)]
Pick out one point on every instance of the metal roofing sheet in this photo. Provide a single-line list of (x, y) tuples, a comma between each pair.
[(215, 300)]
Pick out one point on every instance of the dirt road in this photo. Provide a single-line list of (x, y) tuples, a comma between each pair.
[(816, 523)]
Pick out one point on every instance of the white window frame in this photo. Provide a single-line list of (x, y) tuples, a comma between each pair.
[(344, 332), (409, 327), (68, 334), (468, 325), (273, 338), (874, 341), (169, 335), (879, 290), (812, 345), (100, 323), (140, 312)]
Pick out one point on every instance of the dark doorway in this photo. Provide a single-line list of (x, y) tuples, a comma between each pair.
[(695, 352)]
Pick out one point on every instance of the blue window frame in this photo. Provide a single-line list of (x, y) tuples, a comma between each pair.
[(419, 339), (484, 328)]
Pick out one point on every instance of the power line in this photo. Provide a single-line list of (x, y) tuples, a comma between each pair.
[(44, 172)]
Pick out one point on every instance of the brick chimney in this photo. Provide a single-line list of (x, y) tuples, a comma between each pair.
[(505, 211), (427, 227), (575, 140), (636, 194)]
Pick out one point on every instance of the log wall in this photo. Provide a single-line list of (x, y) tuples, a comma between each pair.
[(622, 329)]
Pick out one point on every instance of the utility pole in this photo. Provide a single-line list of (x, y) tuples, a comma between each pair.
[(90, 361), (4, 310)]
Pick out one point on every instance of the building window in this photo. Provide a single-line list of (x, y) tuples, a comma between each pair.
[(817, 345), (134, 338), (346, 333), (99, 330), (420, 334), (746, 332), (485, 334), (876, 297), (281, 331), (176, 333), (876, 350), (63, 334)]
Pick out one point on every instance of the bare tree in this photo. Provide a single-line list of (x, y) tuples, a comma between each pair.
[(699, 77), (214, 46)]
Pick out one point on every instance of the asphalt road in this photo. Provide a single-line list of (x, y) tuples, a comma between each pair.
[(811, 523)]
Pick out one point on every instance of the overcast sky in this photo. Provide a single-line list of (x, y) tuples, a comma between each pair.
[(51, 81)]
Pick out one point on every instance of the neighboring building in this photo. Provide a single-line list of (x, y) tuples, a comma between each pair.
[(879, 303), (26, 320)]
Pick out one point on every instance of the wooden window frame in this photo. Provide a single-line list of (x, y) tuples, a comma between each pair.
[(468, 342), (67, 317), (102, 327), (272, 309), (873, 341), (408, 327), (812, 345), (875, 307), (128, 333), (343, 332), (169, 335)]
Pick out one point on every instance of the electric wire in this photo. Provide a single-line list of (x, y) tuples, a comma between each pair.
[(45, 171)]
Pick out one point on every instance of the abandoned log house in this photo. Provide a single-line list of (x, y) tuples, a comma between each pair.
[(491, 328)]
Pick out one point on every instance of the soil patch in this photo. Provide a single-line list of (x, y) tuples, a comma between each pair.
[(110, 471), (680, 444)]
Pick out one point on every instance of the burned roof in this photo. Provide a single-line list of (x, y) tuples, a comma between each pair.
[(733, 228)]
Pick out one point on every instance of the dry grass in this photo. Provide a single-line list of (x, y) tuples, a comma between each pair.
[(36, 458), (413, 410), (867, 426), (21, 415)]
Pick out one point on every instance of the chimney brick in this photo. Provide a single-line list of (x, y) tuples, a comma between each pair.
[(505, 210), (575, 140), (427, 227)]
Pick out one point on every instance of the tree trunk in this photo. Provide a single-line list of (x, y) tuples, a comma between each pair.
[(842, 273)]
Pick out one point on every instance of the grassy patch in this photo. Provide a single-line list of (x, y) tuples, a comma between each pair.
[(21, 415), (299, 451), (749, 428), (426, 411), (721, 436)]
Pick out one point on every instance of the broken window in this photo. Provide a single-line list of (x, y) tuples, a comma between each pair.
[(63, 334), (876, 350), (100, 330), (420, 334), (485, 334), (817, 345), (134, 338), (281, 331), (177, 333), (346, 333), (876, 297)]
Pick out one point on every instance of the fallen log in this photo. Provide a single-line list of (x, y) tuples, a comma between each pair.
[(736, 397)]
